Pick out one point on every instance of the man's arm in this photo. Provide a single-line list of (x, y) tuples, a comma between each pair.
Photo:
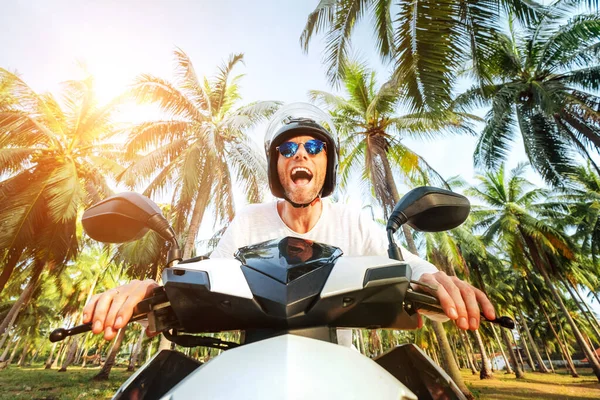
[(460, 301)]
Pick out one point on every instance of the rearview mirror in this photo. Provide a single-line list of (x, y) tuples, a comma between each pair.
[(430, 209), (125, 217)]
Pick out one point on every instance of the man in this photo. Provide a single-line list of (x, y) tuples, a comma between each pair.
[(302, 158)]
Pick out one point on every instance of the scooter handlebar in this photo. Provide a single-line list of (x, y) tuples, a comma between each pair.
[(422, 301), (140, 312)]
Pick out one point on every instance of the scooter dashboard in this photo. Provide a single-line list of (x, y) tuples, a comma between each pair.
[(289, 284)]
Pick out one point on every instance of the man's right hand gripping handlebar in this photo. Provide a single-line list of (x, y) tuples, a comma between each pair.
[(112, 310)]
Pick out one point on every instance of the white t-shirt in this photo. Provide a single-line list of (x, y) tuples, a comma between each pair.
[(354, 232), (341, 226)]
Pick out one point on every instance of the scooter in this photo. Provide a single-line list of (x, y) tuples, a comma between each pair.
[(287, 296)]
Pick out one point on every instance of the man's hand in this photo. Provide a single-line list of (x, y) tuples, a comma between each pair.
[(112, 310), (461, 301)]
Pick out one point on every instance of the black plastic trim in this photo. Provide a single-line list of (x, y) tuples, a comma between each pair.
[(386, 275), (159, 376)]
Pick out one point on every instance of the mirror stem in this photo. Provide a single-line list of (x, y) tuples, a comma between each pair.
[(174, 255), (393, 249)]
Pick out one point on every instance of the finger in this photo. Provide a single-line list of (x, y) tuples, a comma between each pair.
[(125, 312), (468, 295), (88, 310), (115, 306), (110, 333), (442, 295), (453, 300), (486, 305), (102, 306), (419, 321)]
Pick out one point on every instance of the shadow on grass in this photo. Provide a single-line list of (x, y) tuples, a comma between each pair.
[(520, 394)]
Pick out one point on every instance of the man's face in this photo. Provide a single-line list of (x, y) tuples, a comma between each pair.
[(302, 176)]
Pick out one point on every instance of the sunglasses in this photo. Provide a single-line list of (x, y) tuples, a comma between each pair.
[(312, 147)]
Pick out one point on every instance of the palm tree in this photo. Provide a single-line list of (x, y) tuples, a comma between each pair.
[(371, 134), (544, 83), (530, 243), (54, 157), (426, 40), (201, 145), (582, 197), (448, 255), (368, 128)]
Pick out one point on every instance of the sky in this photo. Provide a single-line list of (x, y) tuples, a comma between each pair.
[(47, 41)]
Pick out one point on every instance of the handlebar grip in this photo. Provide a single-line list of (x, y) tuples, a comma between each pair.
[(140, 311), (422, 301)]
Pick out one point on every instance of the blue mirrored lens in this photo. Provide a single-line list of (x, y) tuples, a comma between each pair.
[(314, 146), (288, 149)]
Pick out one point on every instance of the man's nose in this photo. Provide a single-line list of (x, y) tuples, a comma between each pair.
[(301, 153)]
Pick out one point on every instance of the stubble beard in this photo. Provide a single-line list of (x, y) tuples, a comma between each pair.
[(300, 196)]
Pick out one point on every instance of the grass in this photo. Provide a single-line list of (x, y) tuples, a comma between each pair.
[(535, 386), (36, 383)]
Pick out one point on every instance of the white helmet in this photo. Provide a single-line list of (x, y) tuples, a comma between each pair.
[(298, 119)]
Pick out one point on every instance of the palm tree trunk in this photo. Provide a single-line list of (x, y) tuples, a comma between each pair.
[(448, 360), (137, 351), (49, 360), (508, 367), (11, 263), (593, 324), (580, 341), (513, 357), (84, 350), (534, 347), (10, 324), (37, 352), (589, 342), (361, 341), (455, 352), (514, 339), (473, 358), (434, 355), (485, 371), (549, 360), (23, 298), (70, 355), (110, 359), (558, 300), (13, 353), (563, 350), (492, 355), (527, 352), (197, 215), (6, 349), (26, 347), (61, 351), (468, 352)]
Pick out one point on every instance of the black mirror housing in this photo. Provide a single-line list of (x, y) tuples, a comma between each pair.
[(430, 209), (120, 218)]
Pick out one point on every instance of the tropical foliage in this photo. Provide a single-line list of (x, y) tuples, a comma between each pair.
[(200, 147), (543, 85), (533, 250)]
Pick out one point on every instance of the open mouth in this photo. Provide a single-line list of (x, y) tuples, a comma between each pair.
[(301, 176)]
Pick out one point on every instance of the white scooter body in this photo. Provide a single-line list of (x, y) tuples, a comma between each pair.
[(290, 367)]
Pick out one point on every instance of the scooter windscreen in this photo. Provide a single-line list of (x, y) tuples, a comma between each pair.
[(288, 284)]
